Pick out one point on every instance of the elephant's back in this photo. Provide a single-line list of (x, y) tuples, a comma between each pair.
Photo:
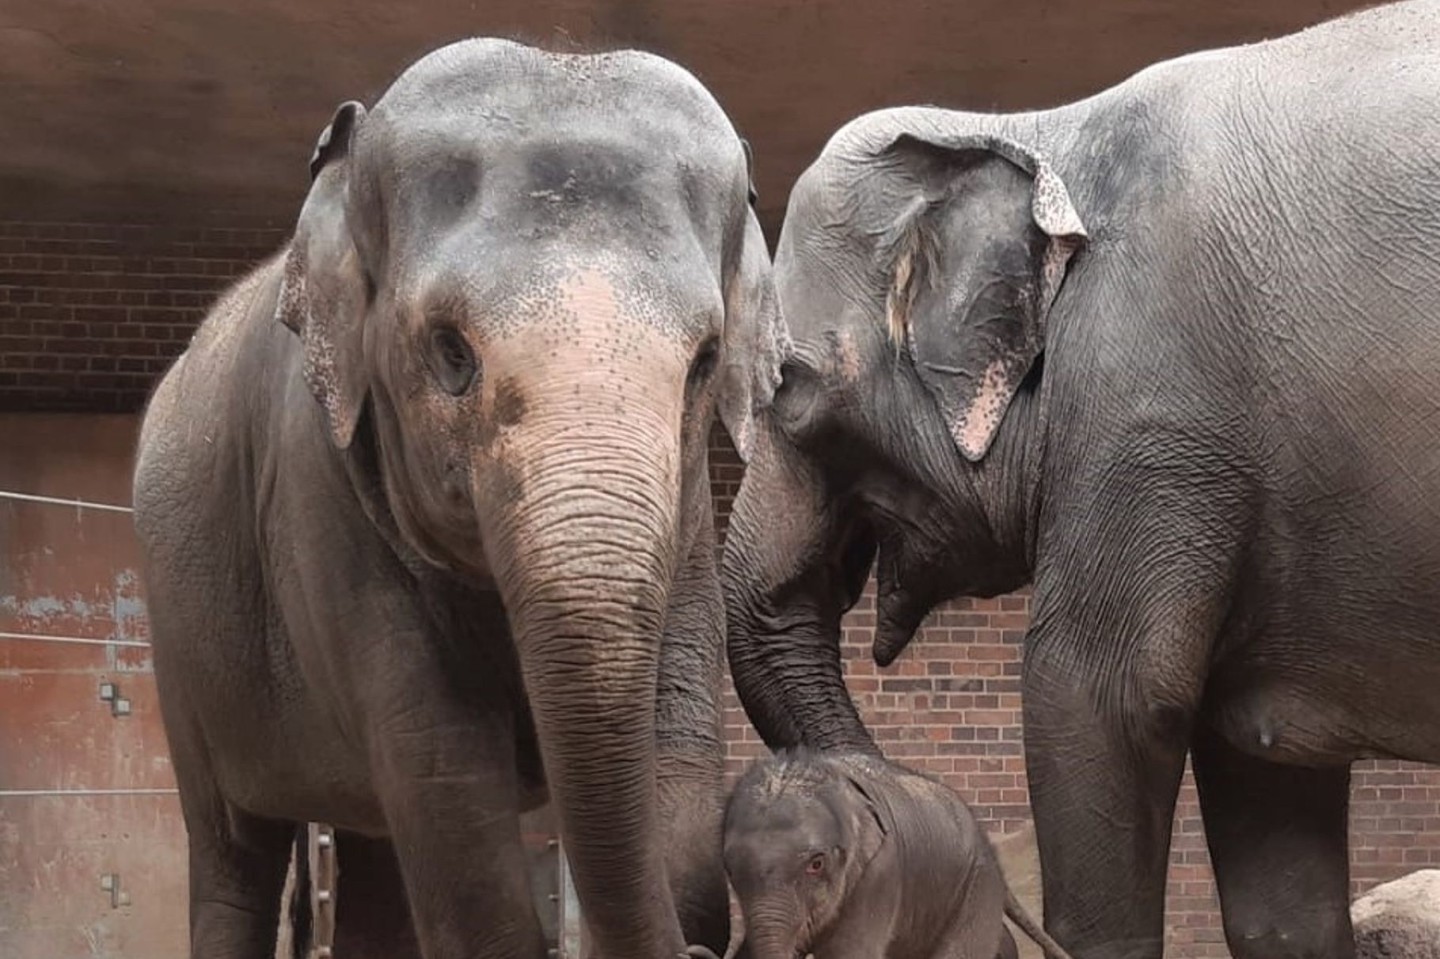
[(940, 834), (200, 409)]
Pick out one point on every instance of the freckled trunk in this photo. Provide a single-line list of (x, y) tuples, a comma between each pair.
[(783, 614), (582, 543)]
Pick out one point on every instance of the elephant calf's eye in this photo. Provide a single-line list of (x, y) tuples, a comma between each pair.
[(452, 361), (816, 865)]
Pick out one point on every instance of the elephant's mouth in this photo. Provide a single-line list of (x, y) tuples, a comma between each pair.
[(902, 602)]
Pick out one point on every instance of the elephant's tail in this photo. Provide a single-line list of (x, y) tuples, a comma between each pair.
[(302, 916), (1017, 914)]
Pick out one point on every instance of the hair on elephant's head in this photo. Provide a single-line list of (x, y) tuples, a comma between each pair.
[(524, 283), (919, 261)]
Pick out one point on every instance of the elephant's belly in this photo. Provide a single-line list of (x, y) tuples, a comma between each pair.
[(288, 768), (1321, 711)]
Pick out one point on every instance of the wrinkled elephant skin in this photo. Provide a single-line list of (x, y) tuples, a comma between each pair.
[(427, 521), (849, 855), (1171, 354)]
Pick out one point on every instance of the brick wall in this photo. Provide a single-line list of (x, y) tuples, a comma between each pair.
[(91, 312)]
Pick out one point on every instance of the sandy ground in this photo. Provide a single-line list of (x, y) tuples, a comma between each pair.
[(1020, 862)]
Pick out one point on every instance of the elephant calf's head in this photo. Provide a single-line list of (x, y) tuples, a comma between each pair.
[(800, 829)]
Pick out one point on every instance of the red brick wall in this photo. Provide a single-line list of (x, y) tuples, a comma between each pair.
[(90, 313)]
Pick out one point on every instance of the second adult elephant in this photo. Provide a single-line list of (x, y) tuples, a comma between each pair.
[(1172, 353), (426, 517)]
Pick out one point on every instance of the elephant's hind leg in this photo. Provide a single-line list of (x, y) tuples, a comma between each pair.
[(372, 915), (237, 873), (1278, 843)]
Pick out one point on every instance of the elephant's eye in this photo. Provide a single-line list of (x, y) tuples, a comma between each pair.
[(796, 398), (704, 363), (452, 360), (816, 865)]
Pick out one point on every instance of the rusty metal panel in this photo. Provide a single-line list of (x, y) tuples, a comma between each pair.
[(92, 845)]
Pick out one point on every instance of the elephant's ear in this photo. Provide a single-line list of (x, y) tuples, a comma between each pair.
[(324, 291), (974, 262), (870, 839), (754, 341)]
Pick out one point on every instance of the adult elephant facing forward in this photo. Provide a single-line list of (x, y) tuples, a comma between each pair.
[(1172, 352), (426, 514)]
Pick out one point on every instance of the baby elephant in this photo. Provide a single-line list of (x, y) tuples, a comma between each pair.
[(847, 855)]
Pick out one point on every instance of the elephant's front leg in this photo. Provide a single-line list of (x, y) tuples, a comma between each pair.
[(1102, 788), (449, 788), (690, 749), (1112, 678)]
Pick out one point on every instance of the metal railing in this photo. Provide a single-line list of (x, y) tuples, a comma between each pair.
[(79, 505)]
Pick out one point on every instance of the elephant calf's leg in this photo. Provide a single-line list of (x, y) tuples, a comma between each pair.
[(1278, 843)]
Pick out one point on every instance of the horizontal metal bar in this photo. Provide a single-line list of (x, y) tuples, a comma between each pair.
[(55, 501), (46, 793), (75, 640)]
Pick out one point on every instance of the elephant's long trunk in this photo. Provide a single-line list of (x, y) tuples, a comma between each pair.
[(737, 924), (583, 553), (782, 618)]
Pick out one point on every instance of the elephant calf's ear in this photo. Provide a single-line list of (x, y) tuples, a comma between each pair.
[(323, 292), (975, 262), (754, 341)]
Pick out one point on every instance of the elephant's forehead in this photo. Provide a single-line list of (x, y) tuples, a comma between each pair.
[(503, 73), (508, 108), (583, 292)]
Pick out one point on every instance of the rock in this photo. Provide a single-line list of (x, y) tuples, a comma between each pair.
[(1399, 919)]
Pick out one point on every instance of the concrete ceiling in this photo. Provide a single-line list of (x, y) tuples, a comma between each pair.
[(176, 107)]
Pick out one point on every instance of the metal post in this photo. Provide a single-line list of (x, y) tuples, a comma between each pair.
[(323, 875), (571, 924)]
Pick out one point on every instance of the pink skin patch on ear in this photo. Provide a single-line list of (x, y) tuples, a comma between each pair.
[(848, 357), (978, 425)]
